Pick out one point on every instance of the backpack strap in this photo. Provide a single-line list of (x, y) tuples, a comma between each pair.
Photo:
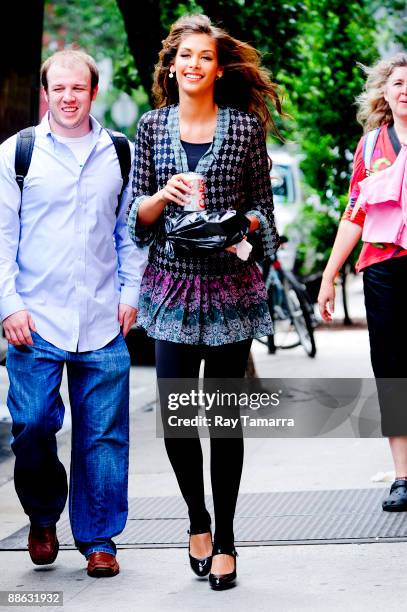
[(368, 148), (24, 151), (369, 145), (122, 147)]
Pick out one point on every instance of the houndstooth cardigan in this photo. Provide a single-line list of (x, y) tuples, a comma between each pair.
[(236, 174)]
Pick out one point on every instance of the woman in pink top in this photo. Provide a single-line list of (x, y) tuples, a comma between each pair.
[(382, 105)]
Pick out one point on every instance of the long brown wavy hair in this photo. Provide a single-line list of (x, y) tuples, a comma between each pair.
[(245, 85), (373, 110)]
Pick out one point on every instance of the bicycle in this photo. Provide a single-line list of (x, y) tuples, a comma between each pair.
[(291, 309)]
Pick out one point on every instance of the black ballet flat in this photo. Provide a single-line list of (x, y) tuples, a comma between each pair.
[(200, 567), (220, 582)]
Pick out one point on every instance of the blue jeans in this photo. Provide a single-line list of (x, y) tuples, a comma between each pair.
[(98, 383)]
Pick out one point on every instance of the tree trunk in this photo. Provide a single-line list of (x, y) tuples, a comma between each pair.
[(144, 33), (20, 61)]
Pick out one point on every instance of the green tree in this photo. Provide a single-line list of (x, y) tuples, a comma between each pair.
[(391, 16), (272, 27), (96, 27), (20, 58), (335, 36)]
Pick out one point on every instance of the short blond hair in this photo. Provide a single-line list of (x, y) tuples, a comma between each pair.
[(71, 56)]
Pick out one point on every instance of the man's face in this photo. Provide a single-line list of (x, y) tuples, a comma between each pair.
[(69, 98)]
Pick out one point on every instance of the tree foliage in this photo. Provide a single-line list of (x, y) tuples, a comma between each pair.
[(334, 37), (272, 27), (391, 17), (96, 27)]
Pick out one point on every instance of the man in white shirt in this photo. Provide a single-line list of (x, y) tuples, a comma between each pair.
[(69, 284)]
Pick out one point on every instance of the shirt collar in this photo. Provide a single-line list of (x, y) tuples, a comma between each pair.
[(44, 127), (181, 161)]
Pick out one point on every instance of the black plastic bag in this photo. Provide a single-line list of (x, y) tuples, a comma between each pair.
[(203, 232)]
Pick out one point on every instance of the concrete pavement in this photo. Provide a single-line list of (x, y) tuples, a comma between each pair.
[(338, 578), (282, 578)]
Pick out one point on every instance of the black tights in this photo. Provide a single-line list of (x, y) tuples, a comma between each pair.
[(175, 360)]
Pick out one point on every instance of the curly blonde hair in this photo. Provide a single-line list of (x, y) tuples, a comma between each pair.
[(373, 110), (245, 85)]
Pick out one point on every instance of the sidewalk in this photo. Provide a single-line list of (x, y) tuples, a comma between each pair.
[(294, 578)]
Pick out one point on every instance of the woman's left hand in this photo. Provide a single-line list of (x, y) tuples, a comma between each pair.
[(254, 223)]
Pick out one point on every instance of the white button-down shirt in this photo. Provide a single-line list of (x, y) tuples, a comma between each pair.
[(66, 256)]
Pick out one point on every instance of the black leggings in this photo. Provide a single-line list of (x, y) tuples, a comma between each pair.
[(185, 454)]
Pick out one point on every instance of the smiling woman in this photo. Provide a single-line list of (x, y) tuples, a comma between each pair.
[(212, 118), (196, 65), (396, 92), (241, 80)]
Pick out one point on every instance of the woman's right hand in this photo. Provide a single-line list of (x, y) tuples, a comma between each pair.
[(177, 190), (326, 299)]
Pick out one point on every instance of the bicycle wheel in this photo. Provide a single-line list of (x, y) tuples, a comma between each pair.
[(298, 307), (269, 280)]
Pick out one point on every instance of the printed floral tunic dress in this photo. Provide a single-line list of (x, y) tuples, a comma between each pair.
[(215, 299)]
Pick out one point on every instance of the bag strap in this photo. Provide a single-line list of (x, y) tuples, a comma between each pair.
[(122, 147), (23, 154), (394, 139), (369, 145)]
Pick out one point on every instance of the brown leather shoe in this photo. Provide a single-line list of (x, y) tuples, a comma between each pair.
[(102, 565), (43, 545)]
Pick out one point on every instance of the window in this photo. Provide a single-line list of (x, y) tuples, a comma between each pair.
[(282, 182)]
